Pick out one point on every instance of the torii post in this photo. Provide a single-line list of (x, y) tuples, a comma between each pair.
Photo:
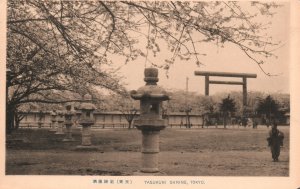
[(244, 77)]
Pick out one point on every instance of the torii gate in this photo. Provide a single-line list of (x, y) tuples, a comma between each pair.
[(244, 76)]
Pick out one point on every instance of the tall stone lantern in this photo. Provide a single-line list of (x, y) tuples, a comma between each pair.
[(68, 123), (86, 120), (60, 120), (150, 121)]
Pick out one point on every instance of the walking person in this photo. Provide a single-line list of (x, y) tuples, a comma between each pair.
[(275, 140)]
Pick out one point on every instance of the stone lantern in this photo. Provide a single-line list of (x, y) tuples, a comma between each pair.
[(86, 120), (60, 120), (68, 123), (53, 120), (150, 121), (40, 118)]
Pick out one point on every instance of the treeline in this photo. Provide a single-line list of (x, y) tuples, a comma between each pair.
[(220, 105), (179, 102)]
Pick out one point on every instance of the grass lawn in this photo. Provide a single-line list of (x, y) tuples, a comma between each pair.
[(184, 152)]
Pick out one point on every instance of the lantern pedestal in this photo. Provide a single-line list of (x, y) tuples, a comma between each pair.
[(60, 130), (60, 120), (53, 126), (53, 120), (86, 139), (86, 136), (150, 129), (150, 150), (68, 137)]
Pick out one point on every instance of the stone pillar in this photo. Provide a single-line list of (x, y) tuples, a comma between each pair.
[(150, 121), (68, 123), (150, 150), (86, 136), (60, 121), (68, 137)]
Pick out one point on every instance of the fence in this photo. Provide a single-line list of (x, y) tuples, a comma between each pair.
[(105, 120)]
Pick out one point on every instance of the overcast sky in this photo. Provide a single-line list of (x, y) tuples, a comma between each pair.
[(228, 59)]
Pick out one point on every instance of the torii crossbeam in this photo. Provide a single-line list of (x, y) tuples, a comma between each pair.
[(244, 76)]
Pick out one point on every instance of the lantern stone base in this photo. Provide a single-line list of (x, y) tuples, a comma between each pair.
[(150, 124), (86, 148), (52, 130), (86, 136), (139, 173), (68, 139), (60, 131), (86, 140)]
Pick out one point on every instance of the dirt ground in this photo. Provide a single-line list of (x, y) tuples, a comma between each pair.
[(184, 152)]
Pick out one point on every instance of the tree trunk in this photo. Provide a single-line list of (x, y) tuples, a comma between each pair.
[(225, 120), (268, 120), (17, 121), (10, 119), (203, 121)]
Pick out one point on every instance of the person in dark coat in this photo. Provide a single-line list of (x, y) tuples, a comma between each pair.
[(275, 140)]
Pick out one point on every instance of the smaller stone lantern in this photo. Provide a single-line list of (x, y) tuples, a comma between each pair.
[(60, 120), (68, 123), (53, 120), (86, 121), (40, 118), (150, 121)]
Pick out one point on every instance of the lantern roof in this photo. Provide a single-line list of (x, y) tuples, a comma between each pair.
[(60, 112), (53, 113), (86, 104), (151, 90)]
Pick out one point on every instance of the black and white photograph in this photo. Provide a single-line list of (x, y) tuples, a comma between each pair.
[(120, 94)]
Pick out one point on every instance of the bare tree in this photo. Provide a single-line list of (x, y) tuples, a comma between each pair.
[(128, 107)]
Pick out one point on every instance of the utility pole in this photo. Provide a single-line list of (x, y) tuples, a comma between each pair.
[(187, 109)]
